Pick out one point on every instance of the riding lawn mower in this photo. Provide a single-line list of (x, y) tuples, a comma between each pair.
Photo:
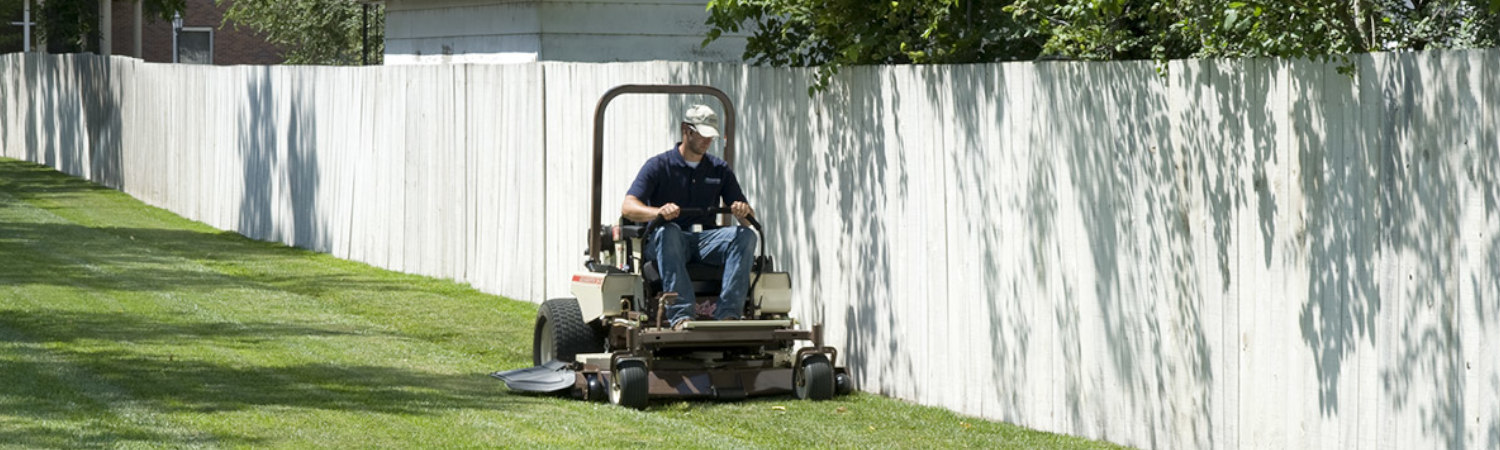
[(611, 341)]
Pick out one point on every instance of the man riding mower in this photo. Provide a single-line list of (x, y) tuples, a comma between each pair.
[(653, 313)]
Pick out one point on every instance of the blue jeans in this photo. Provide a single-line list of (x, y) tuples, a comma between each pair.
[(731, 247)]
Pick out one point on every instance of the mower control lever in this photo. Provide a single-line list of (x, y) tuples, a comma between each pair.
[(694, 212), (658, 221)]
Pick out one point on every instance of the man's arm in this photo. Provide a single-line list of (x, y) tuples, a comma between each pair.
[(644, 184), (735, 197), (636, 210)]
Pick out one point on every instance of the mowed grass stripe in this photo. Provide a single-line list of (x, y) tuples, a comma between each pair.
[(155, 334), (125, 325), (34, 360)]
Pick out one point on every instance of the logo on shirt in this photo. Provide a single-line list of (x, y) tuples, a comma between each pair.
[(711, 180)]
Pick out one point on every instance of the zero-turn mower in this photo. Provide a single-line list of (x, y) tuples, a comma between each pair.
[(610, 340)]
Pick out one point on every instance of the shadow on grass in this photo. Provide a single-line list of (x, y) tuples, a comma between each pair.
[(27, 180), (76, 380), (164, 259), (143, 258), (44, 326), (42, 437)]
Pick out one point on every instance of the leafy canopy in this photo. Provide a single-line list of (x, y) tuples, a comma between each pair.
[(327, 32), (70, 26), (834, 33), (1167, 29), (829, 34)]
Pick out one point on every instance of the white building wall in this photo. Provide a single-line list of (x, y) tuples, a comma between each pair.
[(1241, 254), (499, 31)]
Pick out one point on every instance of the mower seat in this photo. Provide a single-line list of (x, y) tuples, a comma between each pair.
[(707, 279)]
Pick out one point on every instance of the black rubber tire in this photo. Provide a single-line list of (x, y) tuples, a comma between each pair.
[(560, 333), (628, 386), (596, 390), (814, 381), (842, 384)]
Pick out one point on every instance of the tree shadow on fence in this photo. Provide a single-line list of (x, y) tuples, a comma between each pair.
[(1485, 167), (982, 101), (1431, 143), (104, 119), (289, 214), (1338, 217), (1388, 162), (258, 155), (70, 116), (796, 179), (80, 116), (10, 90), (857, 167), (1131, 182)]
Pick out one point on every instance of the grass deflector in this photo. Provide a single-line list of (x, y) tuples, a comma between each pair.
[(611, 339)]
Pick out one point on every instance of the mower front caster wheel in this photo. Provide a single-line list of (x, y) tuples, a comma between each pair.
[(628, 386), (814, 381)]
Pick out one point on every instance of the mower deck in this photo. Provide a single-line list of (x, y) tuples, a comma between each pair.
[(691, 374)]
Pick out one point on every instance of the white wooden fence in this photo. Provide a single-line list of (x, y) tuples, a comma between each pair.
[(1243, 253)]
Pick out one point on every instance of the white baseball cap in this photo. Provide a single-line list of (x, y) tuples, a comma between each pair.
[(703, 120)]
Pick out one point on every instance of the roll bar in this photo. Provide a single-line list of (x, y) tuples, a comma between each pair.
[(598, 175)]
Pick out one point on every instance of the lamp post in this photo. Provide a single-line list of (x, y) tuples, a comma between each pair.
[(176, 30)]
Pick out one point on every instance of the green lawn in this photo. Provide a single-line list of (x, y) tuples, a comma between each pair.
[(126, 325)]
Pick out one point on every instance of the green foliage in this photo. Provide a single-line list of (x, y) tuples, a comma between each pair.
[(70, 26), (833, 33), (326, 32), (12, 36), (1100, 30)]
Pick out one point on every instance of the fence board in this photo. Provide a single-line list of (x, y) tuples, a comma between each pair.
[(1485, 371)]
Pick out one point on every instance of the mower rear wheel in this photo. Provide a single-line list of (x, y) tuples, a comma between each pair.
[(561, 334), (628, 386), (815, 380)]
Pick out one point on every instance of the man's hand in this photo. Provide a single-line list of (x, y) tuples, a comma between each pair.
[(669, 211), (741, 209)]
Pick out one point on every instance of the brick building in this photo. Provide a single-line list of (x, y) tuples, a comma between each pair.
[(205, 38)]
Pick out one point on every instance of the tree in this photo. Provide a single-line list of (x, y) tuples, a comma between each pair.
[(73, 25), (1291, 28), (833, 33), (10, 9), (328, 32)]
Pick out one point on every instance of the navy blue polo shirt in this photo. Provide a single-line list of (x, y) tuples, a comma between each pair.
[(667, 178)]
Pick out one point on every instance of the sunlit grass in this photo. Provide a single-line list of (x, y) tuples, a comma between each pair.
[(125, 325)]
